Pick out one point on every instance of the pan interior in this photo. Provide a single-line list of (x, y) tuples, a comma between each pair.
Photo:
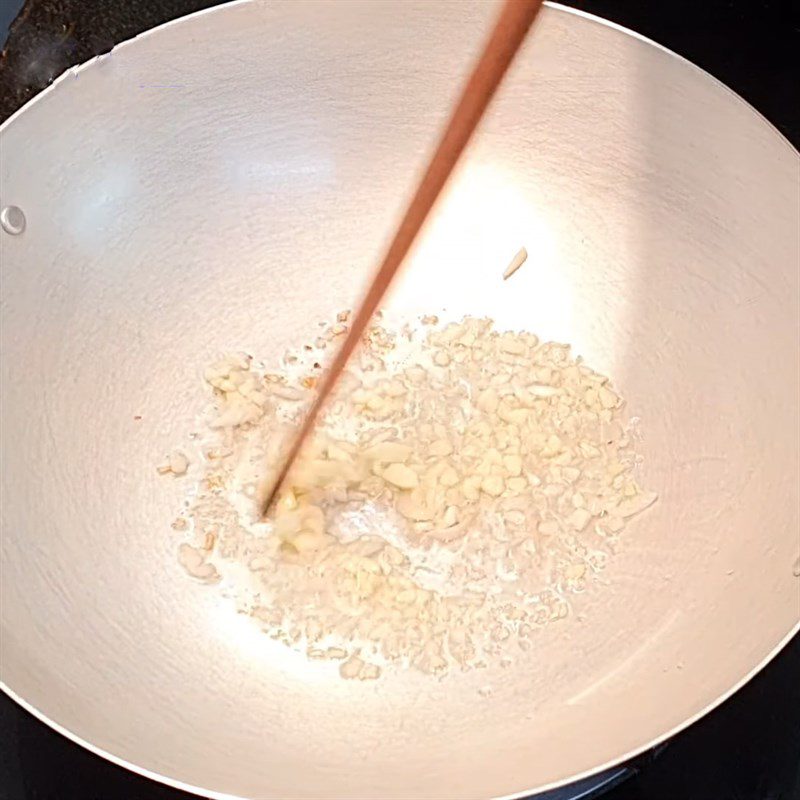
[(226, 181)]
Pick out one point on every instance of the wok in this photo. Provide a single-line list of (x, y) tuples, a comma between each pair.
[(225, 180)]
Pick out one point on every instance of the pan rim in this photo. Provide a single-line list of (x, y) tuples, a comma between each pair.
[(175, 783), (518, 794), (560, 7)]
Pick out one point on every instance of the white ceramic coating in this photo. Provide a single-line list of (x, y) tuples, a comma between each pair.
[(225, 181)]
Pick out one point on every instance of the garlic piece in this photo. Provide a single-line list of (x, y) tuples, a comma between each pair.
[(413, 506), (177, 464), (450, 517), (389, 452), (607, 398), (351, 668), (517, 484), (579, 518), (548, 528), (513, 465), (488, 401), (540, 390), (470, 487), (441, 447), (310, 541), (510, 344), (493, 485), (449, 477), (516, 263), (401, 476), (575, 571), (193, 561)]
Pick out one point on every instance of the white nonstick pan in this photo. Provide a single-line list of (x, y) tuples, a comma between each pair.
[(226, 180)]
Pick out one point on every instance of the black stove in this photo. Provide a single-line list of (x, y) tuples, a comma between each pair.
[(749, 748)]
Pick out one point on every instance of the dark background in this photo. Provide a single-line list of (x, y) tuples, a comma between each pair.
[(749, 748)]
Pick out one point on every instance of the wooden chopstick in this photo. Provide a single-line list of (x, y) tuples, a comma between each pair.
[(508, 34)]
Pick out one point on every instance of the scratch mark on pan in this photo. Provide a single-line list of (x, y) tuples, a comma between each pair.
[(628, 662)]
